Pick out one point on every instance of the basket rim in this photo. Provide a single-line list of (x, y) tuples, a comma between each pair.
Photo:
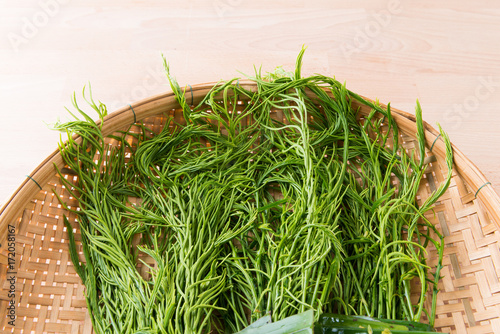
[(154, 104)]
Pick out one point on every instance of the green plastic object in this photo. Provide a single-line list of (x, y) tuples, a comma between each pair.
[(352, 324), (301, 323)]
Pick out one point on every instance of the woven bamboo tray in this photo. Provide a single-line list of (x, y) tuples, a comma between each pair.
[(49, 296)]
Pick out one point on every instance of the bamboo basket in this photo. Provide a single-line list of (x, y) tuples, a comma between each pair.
[(49, 296)]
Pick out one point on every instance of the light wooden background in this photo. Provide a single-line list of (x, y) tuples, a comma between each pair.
[(445, 53)]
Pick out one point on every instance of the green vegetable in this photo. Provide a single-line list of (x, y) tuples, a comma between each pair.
[(279, 200)]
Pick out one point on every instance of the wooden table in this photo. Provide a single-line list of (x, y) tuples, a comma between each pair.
[(446, 54)]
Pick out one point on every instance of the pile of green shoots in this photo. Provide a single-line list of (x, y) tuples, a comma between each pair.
[(241, 214)]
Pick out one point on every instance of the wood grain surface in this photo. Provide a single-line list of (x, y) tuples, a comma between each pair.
[(446, 54)]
